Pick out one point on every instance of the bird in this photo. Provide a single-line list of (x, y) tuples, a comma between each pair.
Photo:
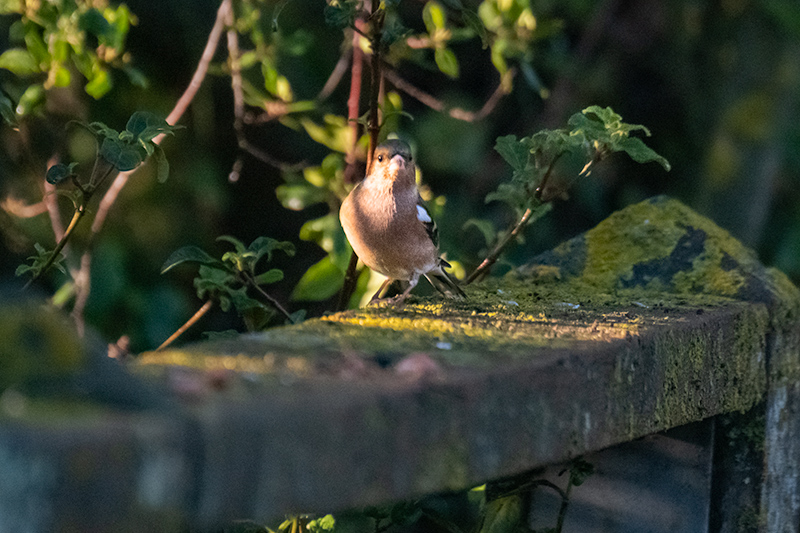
[(391, 230)]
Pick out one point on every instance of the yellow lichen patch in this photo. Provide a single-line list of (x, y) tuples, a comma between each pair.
[(243, 363)]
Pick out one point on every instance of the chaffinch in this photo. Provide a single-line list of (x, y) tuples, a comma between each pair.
[(390, 228)]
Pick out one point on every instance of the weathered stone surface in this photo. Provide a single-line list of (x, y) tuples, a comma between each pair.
[(654, 319)]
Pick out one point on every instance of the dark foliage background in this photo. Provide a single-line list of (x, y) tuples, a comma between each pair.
[(717, 83)]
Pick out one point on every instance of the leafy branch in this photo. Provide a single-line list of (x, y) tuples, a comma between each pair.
[(228, 280), (595, 133), (121, 151)]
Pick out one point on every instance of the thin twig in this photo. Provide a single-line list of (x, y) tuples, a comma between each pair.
[(376, 74), (189, 323), (110, 196), (455, 112), (251, 281), (337, 74), (491, 259), (238, 94)]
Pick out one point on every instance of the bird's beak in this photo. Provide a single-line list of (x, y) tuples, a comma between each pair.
[(398, 162)]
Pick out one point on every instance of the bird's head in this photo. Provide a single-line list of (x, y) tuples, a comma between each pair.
[(393, 160)]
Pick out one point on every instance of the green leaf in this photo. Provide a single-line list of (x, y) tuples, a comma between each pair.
[(7, 110), (19, 61), (237, 244), (267, 245), (320, 525), (95, 23), (188, 254), (446, 61), (60, 172), (640, 152), (8, 7), (298, 196), (474, 22), (486, 228), (433, 16), (31, 99), (270, 276), (513, 151), (121, 155), (145, 126), (162, 165), (321, 281), (99, 84), (341, 15)]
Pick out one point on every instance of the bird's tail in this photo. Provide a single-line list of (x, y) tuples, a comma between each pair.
[(443, 283)]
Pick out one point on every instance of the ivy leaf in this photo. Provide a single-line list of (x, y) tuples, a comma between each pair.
[(446, 61), (60, 172), (7, 110), (188, 254)]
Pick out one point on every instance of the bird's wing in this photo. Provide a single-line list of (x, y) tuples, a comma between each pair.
[(424, 216)]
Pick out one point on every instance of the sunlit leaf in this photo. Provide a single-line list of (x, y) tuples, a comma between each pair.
[(99, 84), (19, 61), (446, 61), (31, 99), (433, 16)]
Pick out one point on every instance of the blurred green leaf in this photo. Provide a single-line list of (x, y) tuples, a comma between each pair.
[(7, 110), (298, 196), (270, 276), (485, 227), (31, 99), (95, 23), (433, 16), (19, 61), (320, 282), (162, 165), (341, 14), (446, 61), (99, 84)]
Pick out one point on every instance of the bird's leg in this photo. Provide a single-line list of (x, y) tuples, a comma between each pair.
[(377, 296)]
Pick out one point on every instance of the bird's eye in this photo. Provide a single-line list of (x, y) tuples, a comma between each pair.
[(380, 159)]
